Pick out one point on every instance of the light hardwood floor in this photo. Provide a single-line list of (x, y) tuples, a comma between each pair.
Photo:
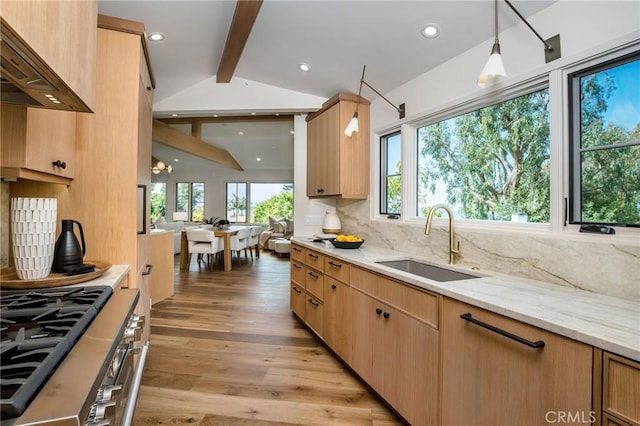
[(226, 350)]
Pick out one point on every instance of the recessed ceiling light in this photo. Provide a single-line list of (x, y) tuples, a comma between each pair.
[(241, 133), (253, 113), (304, 67), (174, 115), (155, 37), (176, 160), (258, 159), (291, 131), (430, 31)]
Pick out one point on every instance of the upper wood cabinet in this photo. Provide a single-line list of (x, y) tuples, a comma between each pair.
[(57, 39), (490, 378), (38, 144), (338, 165)]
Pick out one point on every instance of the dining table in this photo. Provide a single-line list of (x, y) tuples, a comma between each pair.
[(225, 234)]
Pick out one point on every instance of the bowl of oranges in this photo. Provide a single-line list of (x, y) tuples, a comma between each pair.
[(347, 241)]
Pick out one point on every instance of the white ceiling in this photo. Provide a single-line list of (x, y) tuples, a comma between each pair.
[(336, 38)]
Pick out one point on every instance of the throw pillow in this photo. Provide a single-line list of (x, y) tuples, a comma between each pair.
[(279, 227), (272, 223), (161, 220), (289, 226)]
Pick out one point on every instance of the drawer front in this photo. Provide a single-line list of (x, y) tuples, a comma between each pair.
[(314, 260), (420, 303), (314, 283), (313, 312), (621, 391), (298, 300), (298, 272), (298, 253), (337, 269)]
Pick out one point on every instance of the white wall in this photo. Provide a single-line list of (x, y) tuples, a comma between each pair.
[(592, 263)]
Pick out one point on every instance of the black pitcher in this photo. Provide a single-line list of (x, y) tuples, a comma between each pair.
[(67, 252)]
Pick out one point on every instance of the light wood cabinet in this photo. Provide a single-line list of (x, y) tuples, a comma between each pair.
[(394, 351), (337, 317), (307, 287), (338, 165), (113, 152), (490, 378), (38, 144), (162, 259), (61, 35), (620, 390)]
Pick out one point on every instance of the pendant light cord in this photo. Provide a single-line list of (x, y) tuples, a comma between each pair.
[(495, 20)]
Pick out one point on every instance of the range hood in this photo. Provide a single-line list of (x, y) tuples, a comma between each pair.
[(25, 79)]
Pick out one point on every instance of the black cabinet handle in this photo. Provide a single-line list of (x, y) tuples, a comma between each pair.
[(378, 311), (313, 256), (297, 249), (535, 345), (297, 290), (313, 303), (335, 265), (333, 287), (314, 276), (60, 164), (320, 190), (296, 266), (148, 271), (148, 88), (386, 315)]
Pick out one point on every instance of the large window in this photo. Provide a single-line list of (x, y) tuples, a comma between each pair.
[(190, 200), (237, 202), (258, 201), (158, 200), (605, 143), (488, 164), (390, 171)]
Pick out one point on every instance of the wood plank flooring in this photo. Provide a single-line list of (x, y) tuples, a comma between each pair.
[(226, 350)]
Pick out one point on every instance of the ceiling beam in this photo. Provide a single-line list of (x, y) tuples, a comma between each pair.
[(241, 24), (167, 135), (226, 119)]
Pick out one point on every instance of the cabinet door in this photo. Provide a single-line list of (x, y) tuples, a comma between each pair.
[(34, 138), (337, 317), (323, 153), (411, 367), (367, 354), (621, 389), (298, 300), (491, 379)]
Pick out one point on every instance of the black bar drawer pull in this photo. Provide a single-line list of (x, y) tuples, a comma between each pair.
[(313, 256), (314, 276), (535, 345), (297, 290), (296, 266), (148, 270), (314, 303), (297, 249), (335, 265)]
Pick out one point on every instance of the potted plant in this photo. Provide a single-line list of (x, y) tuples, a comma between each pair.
[(222, 224)]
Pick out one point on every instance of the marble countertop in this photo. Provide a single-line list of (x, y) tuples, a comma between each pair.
[(609, 323)]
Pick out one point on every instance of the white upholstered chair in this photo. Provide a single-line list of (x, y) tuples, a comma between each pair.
[(203, 241), (240, 241), (254, 239)]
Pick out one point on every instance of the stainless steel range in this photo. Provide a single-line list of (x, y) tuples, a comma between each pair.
[(67, 356)]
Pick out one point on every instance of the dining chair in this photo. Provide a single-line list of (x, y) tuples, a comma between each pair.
[(254, 239), (203, 241), (240, 241)]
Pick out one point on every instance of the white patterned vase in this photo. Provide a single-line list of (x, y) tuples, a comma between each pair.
[(33, 234)]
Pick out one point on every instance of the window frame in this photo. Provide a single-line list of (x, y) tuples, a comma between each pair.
[(384, 173), (189, 206), (226, 200), (573, 208)]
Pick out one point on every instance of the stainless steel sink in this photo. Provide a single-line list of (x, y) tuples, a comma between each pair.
[(425, 270)]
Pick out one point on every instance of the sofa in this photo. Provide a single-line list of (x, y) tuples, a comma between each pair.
[(278, 228)]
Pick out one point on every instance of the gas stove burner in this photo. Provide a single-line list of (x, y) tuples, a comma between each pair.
[(38, 328)]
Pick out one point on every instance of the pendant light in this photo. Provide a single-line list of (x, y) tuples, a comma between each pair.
[(494, 66)]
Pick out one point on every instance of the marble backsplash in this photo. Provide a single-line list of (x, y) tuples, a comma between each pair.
[(602, 268)]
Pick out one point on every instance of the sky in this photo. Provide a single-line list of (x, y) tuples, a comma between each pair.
[(624, 103)]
